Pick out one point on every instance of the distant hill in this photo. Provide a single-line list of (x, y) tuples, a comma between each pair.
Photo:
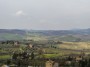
[(63, 35), (11, 34), (64, 32), (12, 31)]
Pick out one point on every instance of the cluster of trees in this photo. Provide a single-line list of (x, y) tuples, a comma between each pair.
[(23, 55), (9, 42)]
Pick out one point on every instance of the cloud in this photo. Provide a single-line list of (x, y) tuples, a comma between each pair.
[(20, 13)]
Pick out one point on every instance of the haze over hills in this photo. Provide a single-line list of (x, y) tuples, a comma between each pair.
[(63, 35)]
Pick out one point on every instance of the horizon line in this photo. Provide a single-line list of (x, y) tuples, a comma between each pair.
[(41, 29)]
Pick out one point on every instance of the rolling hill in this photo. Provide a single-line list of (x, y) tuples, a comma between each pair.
[(63, 35)]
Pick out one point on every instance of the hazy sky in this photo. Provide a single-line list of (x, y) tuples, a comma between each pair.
[(44, 14)]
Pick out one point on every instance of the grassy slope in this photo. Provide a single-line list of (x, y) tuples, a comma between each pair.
[(8, 36), (75, 45), (4, 57)]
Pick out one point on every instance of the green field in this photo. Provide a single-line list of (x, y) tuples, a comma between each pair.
[(4, 57)]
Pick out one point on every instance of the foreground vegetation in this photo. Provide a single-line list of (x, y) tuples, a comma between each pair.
[(40, 50)]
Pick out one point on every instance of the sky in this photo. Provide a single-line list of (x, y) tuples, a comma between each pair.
[(44, 14)]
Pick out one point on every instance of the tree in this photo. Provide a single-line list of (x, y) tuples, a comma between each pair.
[(32, 56)]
